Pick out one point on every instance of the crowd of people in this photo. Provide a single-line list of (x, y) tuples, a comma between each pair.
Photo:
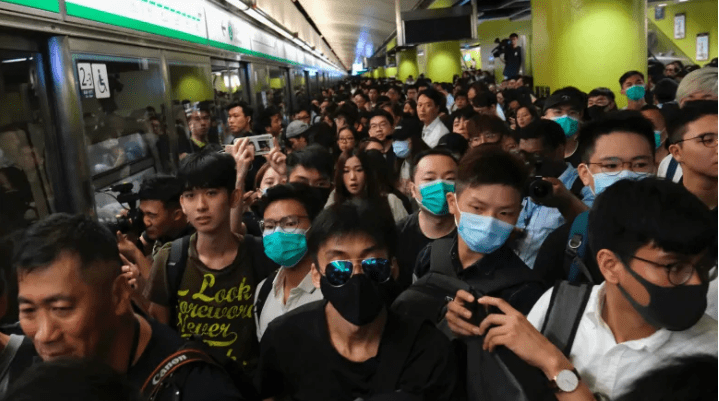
[(396, 241)]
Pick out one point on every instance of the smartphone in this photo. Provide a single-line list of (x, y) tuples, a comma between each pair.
[(263, 143)]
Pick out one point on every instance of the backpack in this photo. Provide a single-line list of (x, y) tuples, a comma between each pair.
[(427, 298), (503, 375), (262, 295), (576, 250), (168, 375)]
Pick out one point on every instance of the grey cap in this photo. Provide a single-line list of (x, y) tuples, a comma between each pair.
[(296, 128)]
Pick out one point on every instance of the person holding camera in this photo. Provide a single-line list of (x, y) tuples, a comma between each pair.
[(512, 57)]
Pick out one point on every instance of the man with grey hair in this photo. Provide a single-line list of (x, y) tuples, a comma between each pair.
[(699, 84)]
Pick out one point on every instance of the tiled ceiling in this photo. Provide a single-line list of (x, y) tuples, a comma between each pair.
[(355, 28)]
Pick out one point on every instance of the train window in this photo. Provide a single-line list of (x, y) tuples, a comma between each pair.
[(230, 85), (272, 89), (192, 88), (299, 88), (124, 114), (25, 191)]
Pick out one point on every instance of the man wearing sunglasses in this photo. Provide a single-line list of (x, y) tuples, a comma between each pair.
[(288, 211), (350, 346), (654, 244)]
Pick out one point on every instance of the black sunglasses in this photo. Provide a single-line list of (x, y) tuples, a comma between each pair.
[(339, 272)]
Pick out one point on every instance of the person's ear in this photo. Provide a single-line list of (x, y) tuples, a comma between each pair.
[(676, 150), (183, 207), (177, 214), (585, 175), (414, 191), (609, 264), (315, 273), (121, 294), (452, 203)]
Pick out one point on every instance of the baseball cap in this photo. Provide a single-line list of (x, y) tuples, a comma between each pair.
[(407, 128), (296, 128), (561, 97)]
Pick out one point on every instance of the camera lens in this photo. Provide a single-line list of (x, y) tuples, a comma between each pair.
[(540, 189)]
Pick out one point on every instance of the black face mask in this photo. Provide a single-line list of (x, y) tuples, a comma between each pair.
[(674, 308), (595, 112), (359, 301)]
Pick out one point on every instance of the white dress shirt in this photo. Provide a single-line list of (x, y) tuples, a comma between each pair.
[(433, 132), (274, 305), (611, 368)]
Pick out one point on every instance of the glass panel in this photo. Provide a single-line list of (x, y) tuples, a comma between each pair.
[(192, 87), (271, 88), (299, 89), (230, 85), (123, 111), (25, 190)]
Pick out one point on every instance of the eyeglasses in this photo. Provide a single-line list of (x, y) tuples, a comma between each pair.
[(345, 140), (614, 166), (339, 272), (709, 140), (677, 273), (287, 223)]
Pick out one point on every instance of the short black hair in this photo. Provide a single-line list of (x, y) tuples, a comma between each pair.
[(691, 112), (349, 112), (413, 86), (382, 113), (618, 121), (161, 187), (246, 108), (362, 95), (436, 97), (370, 217), (466, 113), (631, 214), (430, 152), (514, 35), (487, 165), (629, 74), (601, 91), (207, 169), (665, 90), (47, 239), (69, 379), (312, 157), (461, 93), (681, 378), (266, 116), (302, 193), (548, 131)]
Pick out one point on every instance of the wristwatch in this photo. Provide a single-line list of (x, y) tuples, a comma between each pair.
[(565, 381)]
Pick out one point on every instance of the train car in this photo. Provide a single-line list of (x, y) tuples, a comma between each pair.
[(94, 93)]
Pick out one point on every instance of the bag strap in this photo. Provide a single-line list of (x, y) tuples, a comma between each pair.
[(166, 368), (401, 334), (672, 169), (441, 257), (264, 292), (576, 248), (566, 308), (11, 349), (176, 264)]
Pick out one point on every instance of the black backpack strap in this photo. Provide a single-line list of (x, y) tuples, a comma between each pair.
[(566, 308), (176, 264), (394, 351), (11, 349), (441, 257), (672, 169), (262, 295), (157, 379)]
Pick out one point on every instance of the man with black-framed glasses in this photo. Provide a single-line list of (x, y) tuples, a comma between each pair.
[(351, 346), (288, 211)]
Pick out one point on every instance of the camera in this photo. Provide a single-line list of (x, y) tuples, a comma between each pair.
[(541, 167), (133, 221), (502, 46)]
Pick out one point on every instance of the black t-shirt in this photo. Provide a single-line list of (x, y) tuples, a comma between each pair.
[(512, 61), (298, 359), (202, 381), (552, 264), (410, 242)]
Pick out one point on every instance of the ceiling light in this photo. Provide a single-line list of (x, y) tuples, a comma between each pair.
[(14, 60)]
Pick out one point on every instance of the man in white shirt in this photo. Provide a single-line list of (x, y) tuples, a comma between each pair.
[(649, 309), (288, 213), (429, 103)]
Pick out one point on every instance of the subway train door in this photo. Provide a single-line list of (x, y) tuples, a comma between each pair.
[(29, 154)]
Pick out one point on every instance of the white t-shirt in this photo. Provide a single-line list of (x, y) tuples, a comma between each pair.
[(611, 368), (432, 133), (274, 306)]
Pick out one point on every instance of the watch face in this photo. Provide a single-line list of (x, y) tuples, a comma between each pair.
[(567, 381)]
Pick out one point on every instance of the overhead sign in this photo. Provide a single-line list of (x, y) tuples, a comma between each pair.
[(180, 19), (227, 29), (47, 5)]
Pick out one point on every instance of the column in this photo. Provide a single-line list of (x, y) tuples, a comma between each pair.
[(407, 64), (444, 60), (588, 43)]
